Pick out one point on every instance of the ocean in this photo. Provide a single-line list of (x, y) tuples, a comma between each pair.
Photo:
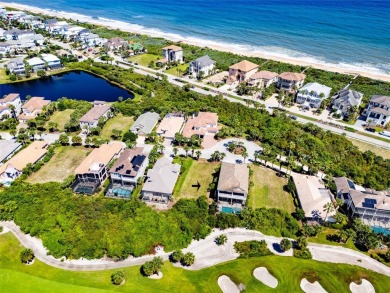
[(352, 34)]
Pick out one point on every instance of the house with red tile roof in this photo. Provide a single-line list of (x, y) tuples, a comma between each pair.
[(241, 71)]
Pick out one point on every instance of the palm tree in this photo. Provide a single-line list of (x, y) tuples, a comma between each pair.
[(245, 154), (175, 150), (328, 208), (188, 259), (256, 155), (198, 154), (186, 149)]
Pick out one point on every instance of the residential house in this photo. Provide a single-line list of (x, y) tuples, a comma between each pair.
[(52, 61), (72, 32), (88, 39), (241, 71), (170, 125), (32, 108), (7, 149), (313, 196), (263, 79), (26, 43), (58, 28), (372, 206), (345, 100), (36, 64), (17, 34), (126, 172), (202, 67), (160, 181), (290, 81), (6, 104), (16, 66), (172, 53), (205, 123), (233, 187), (116, 44), (378, 110), (49, 23), (13, 168), (5, 48), (93, 170), (312, 94), (99, 111), (145, 123), (32, 21)]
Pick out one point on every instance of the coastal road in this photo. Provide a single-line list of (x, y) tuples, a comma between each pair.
[(207, 253)]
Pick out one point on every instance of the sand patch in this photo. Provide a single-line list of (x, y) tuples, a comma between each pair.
[(308, 287), (227, 285), (265, 277), (364, 287), (156, 276)]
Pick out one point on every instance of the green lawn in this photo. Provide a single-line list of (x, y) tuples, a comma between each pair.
[(267, 190), (3, 77), (363, 146), (194, 171), (173, 70), (61, 165), (119, 122), (321, 238), (61, 118), (38, 277), (144, 59)]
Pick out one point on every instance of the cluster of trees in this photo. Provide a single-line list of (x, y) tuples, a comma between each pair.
[(301, 250), (152, 267), (252, 248), (186, 259), (80, 108)]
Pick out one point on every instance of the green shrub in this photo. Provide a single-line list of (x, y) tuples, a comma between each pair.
[(302, 253), (252, 248)]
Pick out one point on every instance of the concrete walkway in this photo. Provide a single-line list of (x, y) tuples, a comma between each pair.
[(207, 253)]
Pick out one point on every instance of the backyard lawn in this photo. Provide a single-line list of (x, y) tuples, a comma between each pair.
[(3, 77), (61, 118), (118, 122), (173, 70), (193, 172), (39, 277), (61, 165), (363, 146), (267, 190), (144, 59)]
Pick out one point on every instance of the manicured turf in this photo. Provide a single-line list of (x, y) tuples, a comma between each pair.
[(196, 171), (267, 190), (363, 146), (38, 277), (61, 118), (119, 122), (144, 59), (61, 165), (173, 70), (3, 77), (321, 238)]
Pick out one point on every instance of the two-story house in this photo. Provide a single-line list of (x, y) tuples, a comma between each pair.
[(204, 123), (378, 110), (241, 71), (16, 66), (312, 94), (36, 64), (233, 187), (126, 172), (32, 108), (17, 34), (52, 61), (145, 123), (263, 79), (172, 53), (345, 100), (116, 44), (100, 110), (201, 67), (290, 81), (10, 106)]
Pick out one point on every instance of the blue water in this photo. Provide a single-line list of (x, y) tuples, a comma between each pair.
[(382, 230), (350, 33), (73, 85), (230, 210)]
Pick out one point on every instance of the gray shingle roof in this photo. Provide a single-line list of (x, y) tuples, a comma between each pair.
[(234, 178), (7, 147), (382, 100), (204, 61), (145, 123)]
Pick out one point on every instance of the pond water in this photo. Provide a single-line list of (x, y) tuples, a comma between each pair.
[(78, 85)]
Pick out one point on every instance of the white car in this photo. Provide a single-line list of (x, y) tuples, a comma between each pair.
[(385, 133)]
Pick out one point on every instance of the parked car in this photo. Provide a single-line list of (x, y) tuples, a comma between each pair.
[(293, 117), (385, 133), (370, 129)]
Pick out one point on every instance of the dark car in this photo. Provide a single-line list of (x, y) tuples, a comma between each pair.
[(370, 129), (293, 117)]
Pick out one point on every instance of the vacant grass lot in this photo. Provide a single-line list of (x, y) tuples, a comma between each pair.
[(63, 164), (61, 118), (119, 122), (173, 70), (194, 171), (267, 190), (3, 77), (144, 59), (38, 277), (363, 146)]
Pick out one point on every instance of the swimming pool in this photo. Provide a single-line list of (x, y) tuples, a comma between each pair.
[(230, 210), (121, 192), (382, 230)]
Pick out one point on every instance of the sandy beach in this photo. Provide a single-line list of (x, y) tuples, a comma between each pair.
[(241, 50)]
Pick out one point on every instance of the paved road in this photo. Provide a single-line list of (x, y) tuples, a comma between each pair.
[(207, 253)]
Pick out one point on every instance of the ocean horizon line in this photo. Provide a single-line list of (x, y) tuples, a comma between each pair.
[(276, 53)]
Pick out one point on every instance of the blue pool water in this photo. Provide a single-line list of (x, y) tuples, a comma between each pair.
[(230, 210), (121, 192), (353, 34), (381, 230)]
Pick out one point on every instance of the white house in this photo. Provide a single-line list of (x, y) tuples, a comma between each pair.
[(378, 110), (72, 32), (52, 61), (58, 28), (290, 80), (202, 66), (36, 64), (312, 94), (172, 53), (5, 105), (16, 66), (49, 23), (5, 48), (17, 34), (345, 100), (263, 78), (89, 39), (26, 43)]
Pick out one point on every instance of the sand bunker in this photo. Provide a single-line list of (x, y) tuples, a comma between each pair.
[(227, 285), (156, 276), (265, 277), (364, 287), (308, 287)]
